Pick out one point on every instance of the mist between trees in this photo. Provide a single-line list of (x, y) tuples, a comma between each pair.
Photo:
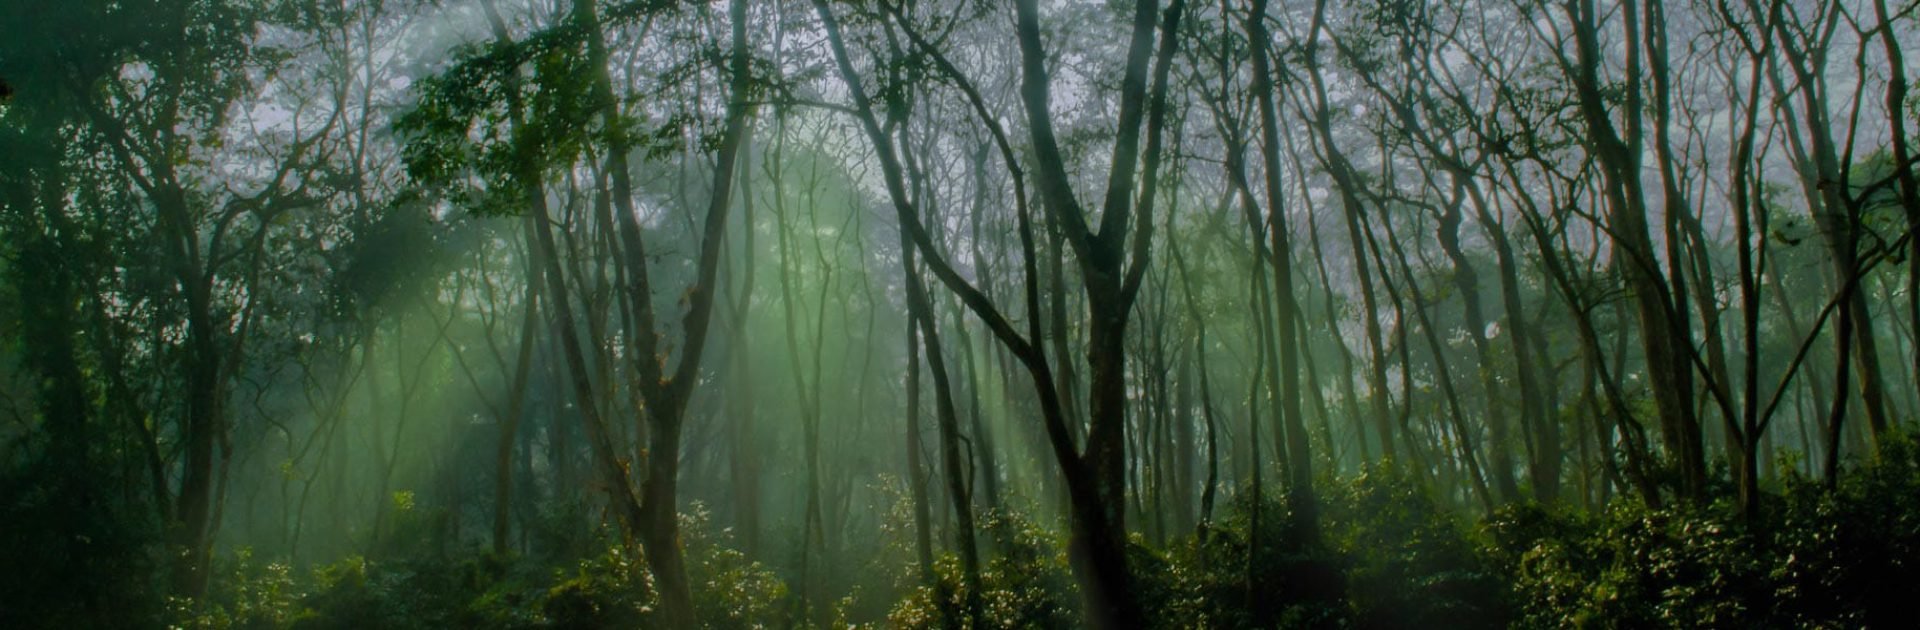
[(895, 313)]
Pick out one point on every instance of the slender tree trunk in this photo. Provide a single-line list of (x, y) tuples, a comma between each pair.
[(1903, 163), (1443, 373), (1467, 281), (742, 443), (916, 471), (510, 419), (1304, 517), (1664, 338), (948, 422), (1208, 490), (665, 397), (205, 420), (921, 314)]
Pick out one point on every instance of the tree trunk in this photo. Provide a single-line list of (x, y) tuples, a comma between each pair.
[(1663, 339), (1304, 519), (510, 419)]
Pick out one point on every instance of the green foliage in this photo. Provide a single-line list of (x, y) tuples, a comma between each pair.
[(1391, 555), (1213, 580), (418, 583), (1629, 567), (482, 131), (1407, 557), (244, 594), (609, 590), (1848, 557), (70, 560), (1811, 559), (1027, 586), (729, 590)]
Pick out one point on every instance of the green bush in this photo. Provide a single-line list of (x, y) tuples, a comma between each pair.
[(432, 587), (1391, 554), (1631, 567), (1851, 557), (1028, 585), (68, 558), (609, 590), (243, 593), (1407, 558), (729, 590), (1811, 558)]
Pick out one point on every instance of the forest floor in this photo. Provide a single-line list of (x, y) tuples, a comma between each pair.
[(1393, 556)]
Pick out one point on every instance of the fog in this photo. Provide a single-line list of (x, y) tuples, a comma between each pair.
[(401, 313)]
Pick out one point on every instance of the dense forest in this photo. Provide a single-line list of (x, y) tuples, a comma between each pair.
[(959, 313)]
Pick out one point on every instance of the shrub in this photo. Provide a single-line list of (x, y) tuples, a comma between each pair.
[(1811, 558), (1028, 585), (243, 593), (1632, 567), (1408, 559), (729, 590)]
